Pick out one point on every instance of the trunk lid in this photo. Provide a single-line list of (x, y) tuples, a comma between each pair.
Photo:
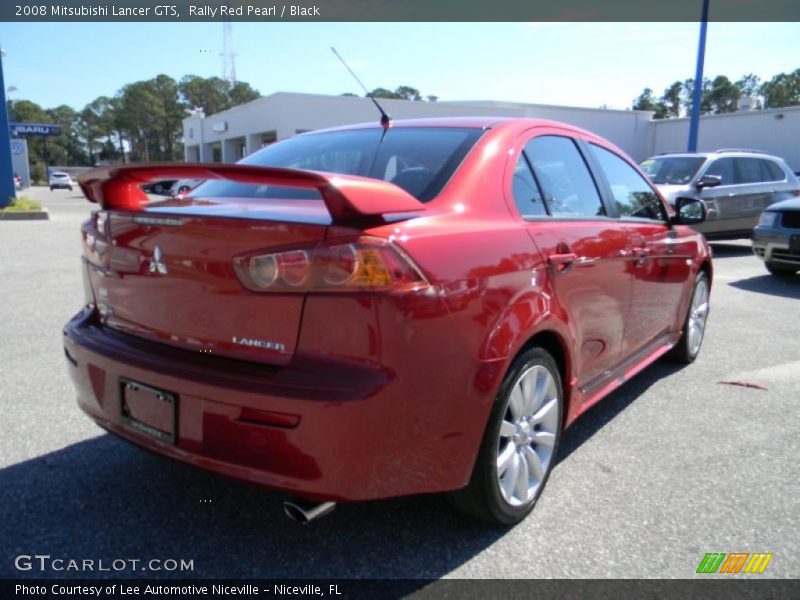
[(170, 278)]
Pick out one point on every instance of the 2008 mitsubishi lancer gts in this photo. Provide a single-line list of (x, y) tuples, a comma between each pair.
[(381, 310)]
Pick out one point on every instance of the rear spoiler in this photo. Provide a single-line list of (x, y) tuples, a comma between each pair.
[(347, 197)]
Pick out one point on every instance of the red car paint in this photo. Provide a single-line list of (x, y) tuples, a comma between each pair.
[(371, 394)]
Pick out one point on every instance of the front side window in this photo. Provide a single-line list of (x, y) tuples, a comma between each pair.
[(722, 168), (633, 195), (566, 182)]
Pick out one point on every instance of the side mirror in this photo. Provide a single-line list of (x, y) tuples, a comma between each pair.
[(688, 211), (707, 181)]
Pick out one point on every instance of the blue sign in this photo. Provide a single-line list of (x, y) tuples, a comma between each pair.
[(36, 129)]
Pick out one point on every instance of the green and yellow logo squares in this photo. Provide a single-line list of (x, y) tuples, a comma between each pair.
[(735, 562)]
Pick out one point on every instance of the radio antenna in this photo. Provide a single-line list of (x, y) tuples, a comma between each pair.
[(386, 120)]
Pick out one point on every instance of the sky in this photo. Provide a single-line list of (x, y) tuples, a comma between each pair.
[(577, 64)]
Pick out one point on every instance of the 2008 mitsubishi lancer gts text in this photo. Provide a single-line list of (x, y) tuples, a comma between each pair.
[(380, 310)]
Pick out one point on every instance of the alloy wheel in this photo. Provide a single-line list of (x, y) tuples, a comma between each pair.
[(698, 313), (527, 435)]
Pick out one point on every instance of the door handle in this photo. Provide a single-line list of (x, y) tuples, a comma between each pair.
[(561, 262), (641, 255)]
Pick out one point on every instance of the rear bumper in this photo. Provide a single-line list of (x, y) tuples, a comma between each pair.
[(355, 430)]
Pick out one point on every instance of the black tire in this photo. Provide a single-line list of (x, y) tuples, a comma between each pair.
[(70, 188), (482, 497), (780, 270), (51, 188), (183, 189), (683, 352)]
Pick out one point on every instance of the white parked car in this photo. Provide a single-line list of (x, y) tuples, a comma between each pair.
[(59, 179)]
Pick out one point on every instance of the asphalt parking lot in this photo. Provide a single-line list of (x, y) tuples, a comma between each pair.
[(673, 465)]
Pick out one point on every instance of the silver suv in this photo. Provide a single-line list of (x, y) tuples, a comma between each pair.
[(735, 185)]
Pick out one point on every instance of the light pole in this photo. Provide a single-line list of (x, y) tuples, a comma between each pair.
[(7, 187), (200, 113), (694, 121)]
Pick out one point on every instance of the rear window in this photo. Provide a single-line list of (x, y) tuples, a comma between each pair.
[(420, 160), (672, 170)]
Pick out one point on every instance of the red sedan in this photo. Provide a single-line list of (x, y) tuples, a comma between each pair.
[(369, 311)]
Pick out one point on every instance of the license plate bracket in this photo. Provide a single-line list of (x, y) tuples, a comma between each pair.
[(148, 410)]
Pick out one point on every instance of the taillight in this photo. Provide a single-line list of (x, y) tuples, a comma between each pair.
[(293, 267), (796, 192), (364, 264), (95, 239)]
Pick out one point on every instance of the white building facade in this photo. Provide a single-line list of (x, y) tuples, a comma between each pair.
[(233, 134)]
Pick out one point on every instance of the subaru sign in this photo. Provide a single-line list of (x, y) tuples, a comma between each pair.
[(37, 129)]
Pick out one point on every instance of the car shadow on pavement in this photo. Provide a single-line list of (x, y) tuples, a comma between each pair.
[(730, 250), (787, 287), (103, 498), (594, 419)]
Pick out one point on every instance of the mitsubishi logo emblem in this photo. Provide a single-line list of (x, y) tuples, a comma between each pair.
[(157, 264)]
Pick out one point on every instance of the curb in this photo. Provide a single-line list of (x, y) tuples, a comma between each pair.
[(25, 215)]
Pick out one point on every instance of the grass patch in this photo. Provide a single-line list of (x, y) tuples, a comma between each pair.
[(22, 205)]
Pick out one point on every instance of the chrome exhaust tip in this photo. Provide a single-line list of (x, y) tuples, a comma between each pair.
[(303, 512)]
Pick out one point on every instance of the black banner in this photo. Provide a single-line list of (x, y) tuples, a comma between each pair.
[(394, 10), (732, 588)]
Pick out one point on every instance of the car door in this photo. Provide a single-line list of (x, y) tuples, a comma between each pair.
[(735, 204), (659, 258), (720, 200), (754, 191), (565, 217)]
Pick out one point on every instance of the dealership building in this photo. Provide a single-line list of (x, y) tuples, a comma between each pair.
[(232, 134)]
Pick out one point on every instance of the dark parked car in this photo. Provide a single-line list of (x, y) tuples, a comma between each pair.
[(369, 312), (776, 238), (161, 188), (735, 185)]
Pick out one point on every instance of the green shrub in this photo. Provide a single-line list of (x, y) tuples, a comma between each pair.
[(22, 204)]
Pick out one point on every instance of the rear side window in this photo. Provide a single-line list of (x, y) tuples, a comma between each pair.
[(567, 185), (748, 170), (526, 192), (633, 195), (773, 171), (722, 168), (420, 160)]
